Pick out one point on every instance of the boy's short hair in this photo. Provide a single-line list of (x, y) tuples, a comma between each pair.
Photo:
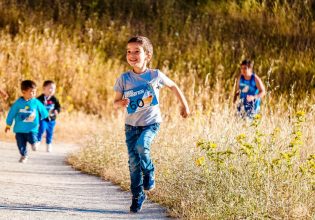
[(27, 84), (144, 41), (48, 82), (247, 63)]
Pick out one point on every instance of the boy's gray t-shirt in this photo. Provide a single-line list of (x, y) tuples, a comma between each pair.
[(143, 92)]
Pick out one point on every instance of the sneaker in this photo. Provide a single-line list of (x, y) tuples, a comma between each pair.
[(137, 203), (148, 182), (35, 146), (49, 148), (23, 159)]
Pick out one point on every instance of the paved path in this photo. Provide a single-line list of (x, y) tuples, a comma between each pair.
[(46, 188)]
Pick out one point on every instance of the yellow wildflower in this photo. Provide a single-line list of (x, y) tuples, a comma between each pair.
[(200, 161)]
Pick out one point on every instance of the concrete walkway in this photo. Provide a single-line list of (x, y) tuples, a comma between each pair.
[(47, 188)]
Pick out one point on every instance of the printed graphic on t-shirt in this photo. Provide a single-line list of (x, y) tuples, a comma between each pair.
[(50, 106), (141, 98), (27, 114), (245, 88)]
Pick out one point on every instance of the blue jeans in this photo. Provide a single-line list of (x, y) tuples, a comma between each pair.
[(139, 139), (22, 139), (47, 126)]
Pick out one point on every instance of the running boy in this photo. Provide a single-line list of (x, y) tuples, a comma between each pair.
[(52, 105), (138, 91), (250, 89), (27, 111)]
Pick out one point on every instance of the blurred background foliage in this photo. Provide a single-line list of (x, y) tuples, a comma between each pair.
[(199, 44)]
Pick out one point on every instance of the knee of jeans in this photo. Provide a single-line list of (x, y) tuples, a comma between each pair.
[(143, 149)]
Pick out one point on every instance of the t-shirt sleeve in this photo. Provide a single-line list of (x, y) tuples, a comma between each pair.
[(119, 87), (57, 105), (163, 79), (12, 113)]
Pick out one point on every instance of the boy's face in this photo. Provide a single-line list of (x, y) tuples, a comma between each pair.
[(136, 56), (29, 93), (245, 70), (50, 89)]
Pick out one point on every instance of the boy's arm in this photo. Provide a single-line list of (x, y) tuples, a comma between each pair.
[(11, 115), (57, 105), (237, 89), (184, 111), (119, 101), (261, 87)]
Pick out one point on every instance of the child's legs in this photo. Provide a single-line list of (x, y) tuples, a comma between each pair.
[(143, 147), (50, 131), (41, 130), (241, 109), (21, 140), (136, 180), (252, 109), (32, 137)]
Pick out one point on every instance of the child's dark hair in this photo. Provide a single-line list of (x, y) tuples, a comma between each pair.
[(48, 82), (247, 63), (27, 84), (144, 41)]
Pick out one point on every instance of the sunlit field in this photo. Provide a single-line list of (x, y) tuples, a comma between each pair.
[(212, 165), (218, 166)]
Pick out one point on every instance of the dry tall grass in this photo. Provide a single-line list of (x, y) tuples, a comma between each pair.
[(81, 45), (231, 190)]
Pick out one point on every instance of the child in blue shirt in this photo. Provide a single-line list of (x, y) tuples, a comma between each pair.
[(137, 90), (26, 113), (250, 89), (52, 105)]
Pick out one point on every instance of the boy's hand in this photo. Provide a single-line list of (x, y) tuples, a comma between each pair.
[(7, 128), (124, 102), (184, 111), (250, 98)]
